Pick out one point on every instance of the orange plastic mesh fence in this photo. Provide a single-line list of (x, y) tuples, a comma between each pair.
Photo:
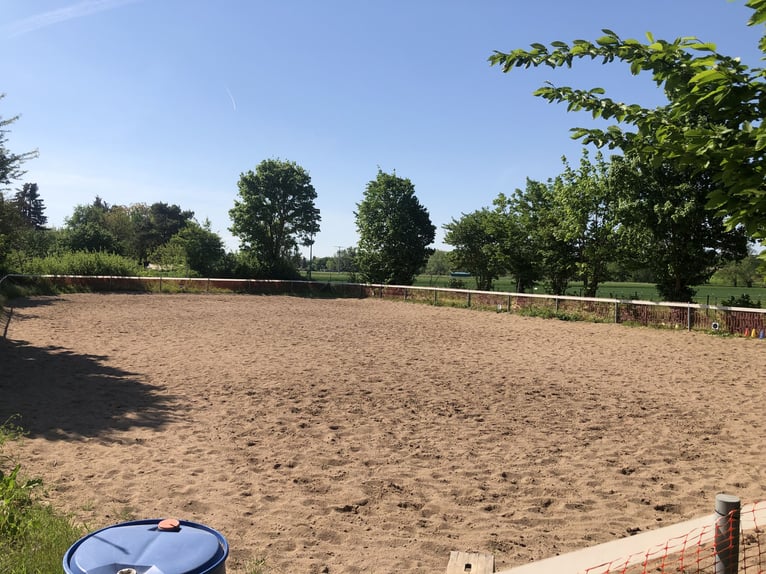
[(696, 552)]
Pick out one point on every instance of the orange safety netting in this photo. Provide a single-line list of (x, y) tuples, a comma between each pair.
[(696, 551)]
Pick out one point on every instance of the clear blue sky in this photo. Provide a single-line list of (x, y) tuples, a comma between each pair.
[(170, 100)]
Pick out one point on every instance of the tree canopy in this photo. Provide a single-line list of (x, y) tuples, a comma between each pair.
[(274, 214), (477, 241), (712, 123), (395, 231)]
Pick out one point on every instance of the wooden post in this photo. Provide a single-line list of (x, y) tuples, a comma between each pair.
[(616, 312), (727, 508), (470, 562)]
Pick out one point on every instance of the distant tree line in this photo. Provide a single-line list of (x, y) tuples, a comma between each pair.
[(683, 199)]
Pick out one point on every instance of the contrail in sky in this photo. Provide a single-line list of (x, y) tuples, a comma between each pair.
[(71, 12), (233, 103)]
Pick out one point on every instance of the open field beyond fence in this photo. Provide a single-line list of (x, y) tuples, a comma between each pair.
[(367, 435), (747, 322)]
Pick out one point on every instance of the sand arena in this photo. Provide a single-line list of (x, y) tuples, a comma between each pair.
[(372, 436)]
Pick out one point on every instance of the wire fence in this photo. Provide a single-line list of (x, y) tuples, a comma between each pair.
[(690, 316)]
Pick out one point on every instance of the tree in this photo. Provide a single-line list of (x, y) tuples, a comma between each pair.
[(666, 228), (11, 225), (438, 263), (712, 124), (10, 170), (395, 231), (534, 244), (275, 213), (10, 163), (27, 200), (203, 249), (477, 242), (86, 230), (744, 272), (585, 204), (153, 226)]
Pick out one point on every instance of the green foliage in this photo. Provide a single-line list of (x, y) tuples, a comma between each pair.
[(45, 540), (743, 300), (477, 239), (15, 499), (84, 263), (274, 214), (10, 163), (666, 228), (745, 272), (586, 203), (33, 537), (548, 313), (712, 124), (438, 263), (395, 231), (534, 244), (30, 205), (202, 248)]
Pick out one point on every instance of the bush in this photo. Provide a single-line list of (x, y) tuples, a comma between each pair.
[(743, 301), (84, 263)]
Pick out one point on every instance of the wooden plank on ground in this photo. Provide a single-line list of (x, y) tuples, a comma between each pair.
[(470, 562)]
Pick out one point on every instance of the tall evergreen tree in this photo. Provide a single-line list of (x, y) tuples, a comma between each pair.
[(30, 205)]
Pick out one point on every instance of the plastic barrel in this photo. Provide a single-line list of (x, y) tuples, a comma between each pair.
[(149, 547)]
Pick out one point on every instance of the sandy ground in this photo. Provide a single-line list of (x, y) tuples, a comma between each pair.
[(374, 436)]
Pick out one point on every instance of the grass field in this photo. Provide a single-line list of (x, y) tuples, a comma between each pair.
[(709, 294)]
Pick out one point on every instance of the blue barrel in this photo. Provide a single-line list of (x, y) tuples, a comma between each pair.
[(149, 547)]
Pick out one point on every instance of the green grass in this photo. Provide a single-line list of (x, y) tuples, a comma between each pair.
[(41, 547), (33, 536)]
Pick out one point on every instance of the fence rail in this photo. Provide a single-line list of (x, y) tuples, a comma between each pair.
[(689, 316)]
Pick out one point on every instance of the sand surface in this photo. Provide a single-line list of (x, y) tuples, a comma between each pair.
[(340, 435)]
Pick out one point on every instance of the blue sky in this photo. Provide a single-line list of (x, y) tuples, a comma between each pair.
[(171, 100)]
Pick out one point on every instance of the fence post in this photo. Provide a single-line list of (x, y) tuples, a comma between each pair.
[(689, 317), (616, 312), (469, 299), (726, 534)]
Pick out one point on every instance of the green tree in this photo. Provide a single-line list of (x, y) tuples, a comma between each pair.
[(152, 226), (27, 200), (713, 123), (11, 169), (203, 249), (395, 231), (10, 163), (741, 273), (477, 246), (86, 229), (666, 228), (438, 263), (274, 214), (586, 206), (534, 244)]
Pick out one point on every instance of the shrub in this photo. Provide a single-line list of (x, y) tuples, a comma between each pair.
[(84, 263), (743, 301)]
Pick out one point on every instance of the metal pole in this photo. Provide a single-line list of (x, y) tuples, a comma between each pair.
[(727, 508)]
